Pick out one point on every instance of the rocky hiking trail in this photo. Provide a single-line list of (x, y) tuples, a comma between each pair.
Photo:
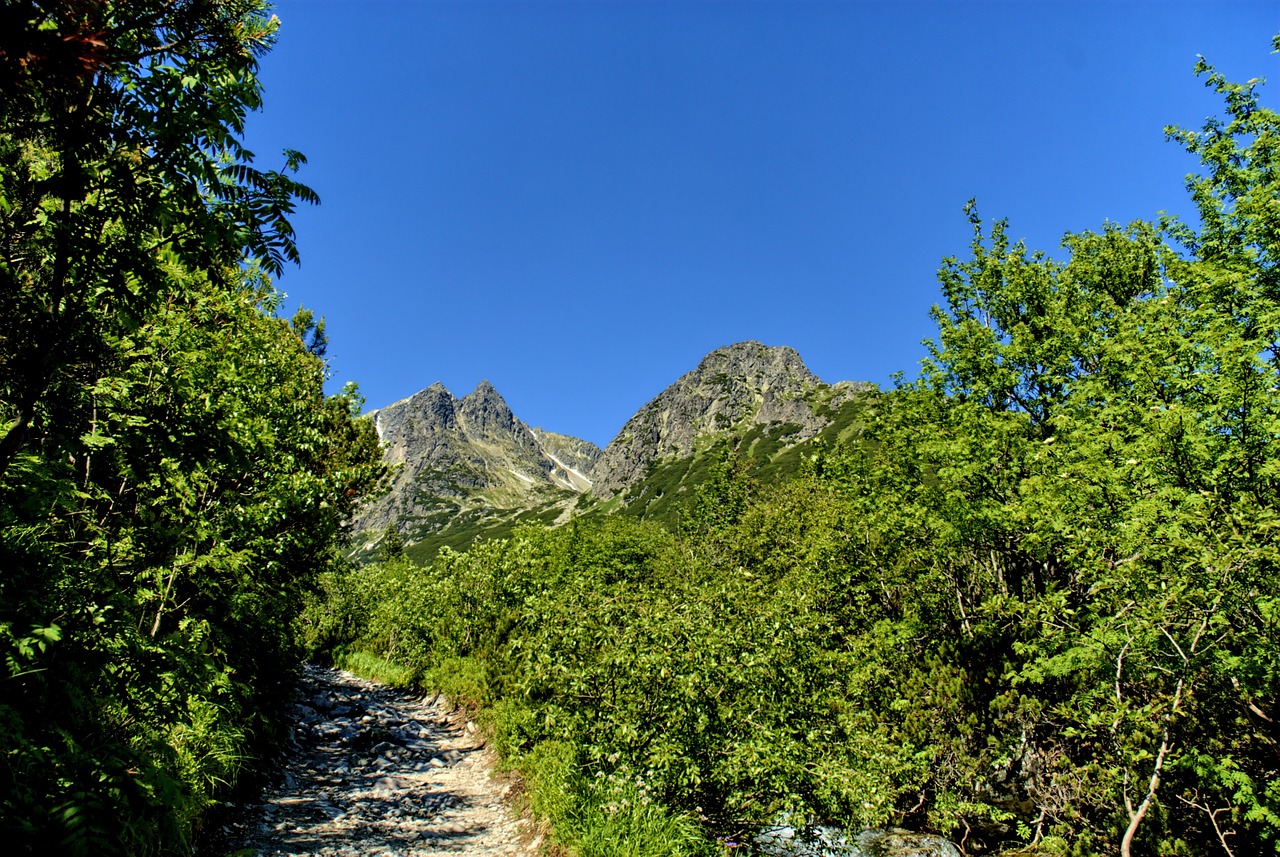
[(377, 771)]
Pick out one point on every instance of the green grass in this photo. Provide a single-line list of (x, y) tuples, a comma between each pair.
[(604, 817), (463, 680), (374, 668), (617, 818)]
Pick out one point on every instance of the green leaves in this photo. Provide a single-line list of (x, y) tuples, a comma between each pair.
[(1037, 606), (21, 652), (172, 477)]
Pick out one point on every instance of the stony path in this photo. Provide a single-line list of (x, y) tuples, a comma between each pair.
[(377, 772)]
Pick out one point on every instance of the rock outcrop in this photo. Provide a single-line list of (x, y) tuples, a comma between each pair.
[(465, 451), (821, 841), (732, 389)]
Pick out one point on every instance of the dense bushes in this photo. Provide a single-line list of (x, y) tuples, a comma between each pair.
[(737, 677), (172, 476), (153, 579)]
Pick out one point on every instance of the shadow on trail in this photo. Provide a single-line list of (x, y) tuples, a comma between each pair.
[(375, 771)]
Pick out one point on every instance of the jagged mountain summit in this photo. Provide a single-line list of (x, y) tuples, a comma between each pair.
[(469, 467), (732, 390), (469, 458)]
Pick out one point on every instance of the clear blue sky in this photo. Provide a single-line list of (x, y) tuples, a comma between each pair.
[(578, 200)]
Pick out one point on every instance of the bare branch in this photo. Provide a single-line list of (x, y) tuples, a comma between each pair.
[(1213, 819)]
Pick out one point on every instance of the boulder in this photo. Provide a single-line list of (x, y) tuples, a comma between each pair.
[(823, 841)]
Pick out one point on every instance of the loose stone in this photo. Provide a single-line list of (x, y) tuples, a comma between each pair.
[(370, 773)]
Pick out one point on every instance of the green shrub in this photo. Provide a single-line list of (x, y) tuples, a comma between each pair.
[(618, 818), (463, 680), (549, 770)]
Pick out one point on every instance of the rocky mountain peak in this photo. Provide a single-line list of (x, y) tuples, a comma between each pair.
[(753, 361), (486, 392), (469, 465), (732, 388), (460, 455), (486, 414), (434, 411)]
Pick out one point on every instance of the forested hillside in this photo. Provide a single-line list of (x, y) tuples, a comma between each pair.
[(172, 476), (1034, 610)]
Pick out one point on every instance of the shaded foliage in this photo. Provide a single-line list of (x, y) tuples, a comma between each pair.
[(172, 477)]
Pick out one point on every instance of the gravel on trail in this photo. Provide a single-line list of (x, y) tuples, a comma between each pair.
[(376, 772)]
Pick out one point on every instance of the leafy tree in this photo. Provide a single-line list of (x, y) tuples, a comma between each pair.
[(392, 545), (1121, 529), (120, 150), (172, 476)]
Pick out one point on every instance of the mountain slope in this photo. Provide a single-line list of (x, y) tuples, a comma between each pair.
[(470, 468), (733, 390), (467, 465)]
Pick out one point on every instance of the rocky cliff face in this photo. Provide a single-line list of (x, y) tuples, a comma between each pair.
[(575, 457), (731, 390), (457, 454)]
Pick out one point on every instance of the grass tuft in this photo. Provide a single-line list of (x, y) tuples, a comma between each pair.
[(371, 667)]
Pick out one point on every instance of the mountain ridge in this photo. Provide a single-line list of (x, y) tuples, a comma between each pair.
[(455, 456), (734, 387), (469, 467)]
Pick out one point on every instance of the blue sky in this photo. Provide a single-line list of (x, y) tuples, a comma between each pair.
[(578, 200)]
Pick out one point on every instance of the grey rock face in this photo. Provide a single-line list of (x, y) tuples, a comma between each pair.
[(465, 450), (822, 841), (581, 455), (485, 414), (733, 388)]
